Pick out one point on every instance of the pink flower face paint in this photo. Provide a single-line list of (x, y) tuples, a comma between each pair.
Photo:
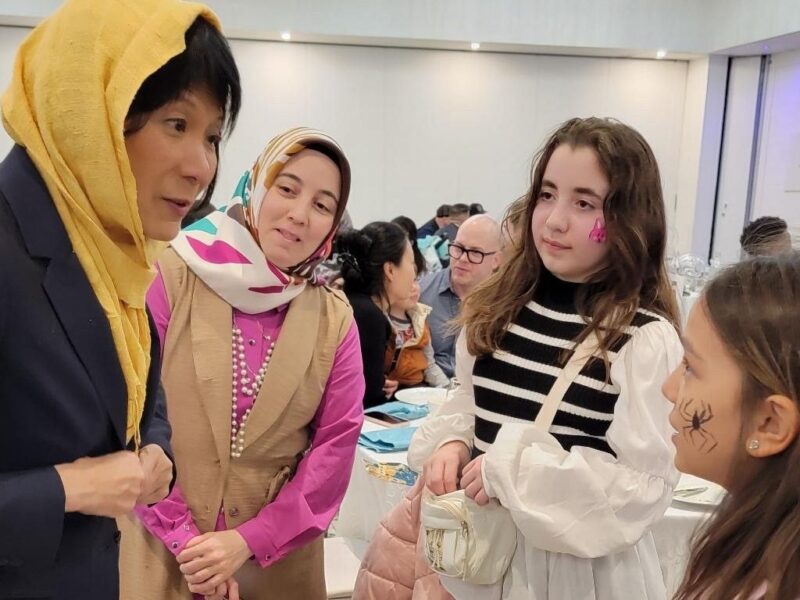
[(598, 232)]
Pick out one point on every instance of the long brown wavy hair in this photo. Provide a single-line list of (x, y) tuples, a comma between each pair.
[(754, 537), (634, 275)]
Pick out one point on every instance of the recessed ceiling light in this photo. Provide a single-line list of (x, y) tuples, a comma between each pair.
[(475, 45), (661, 54), (286, 36)]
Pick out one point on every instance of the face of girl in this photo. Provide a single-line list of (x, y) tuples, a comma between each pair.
[(173, 160), (298, 211), (706, 392), (568, 225), (400, 279)]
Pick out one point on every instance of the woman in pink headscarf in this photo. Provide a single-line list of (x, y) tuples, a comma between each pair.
[(262, 370)]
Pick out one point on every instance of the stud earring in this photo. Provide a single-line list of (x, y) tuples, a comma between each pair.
[(753, 445)]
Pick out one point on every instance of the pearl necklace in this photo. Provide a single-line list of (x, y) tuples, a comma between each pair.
[(240, 376)]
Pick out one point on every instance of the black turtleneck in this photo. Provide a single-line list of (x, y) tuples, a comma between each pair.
[(556, 293)]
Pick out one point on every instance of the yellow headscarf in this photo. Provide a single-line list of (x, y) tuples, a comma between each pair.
[(75, 77)]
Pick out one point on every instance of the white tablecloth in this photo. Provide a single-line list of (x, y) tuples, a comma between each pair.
[(369, 498)]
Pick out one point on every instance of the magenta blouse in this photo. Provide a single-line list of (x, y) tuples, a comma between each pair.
[(305, 506)]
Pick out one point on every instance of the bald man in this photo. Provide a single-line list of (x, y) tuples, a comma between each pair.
[(474, 255)]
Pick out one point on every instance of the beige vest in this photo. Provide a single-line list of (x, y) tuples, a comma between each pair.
[(197, 379)]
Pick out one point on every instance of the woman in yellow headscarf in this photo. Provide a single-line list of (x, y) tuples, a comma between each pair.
[(264, 380), (116, 108)]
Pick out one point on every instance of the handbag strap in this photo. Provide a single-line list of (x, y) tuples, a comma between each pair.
[(583, 352)]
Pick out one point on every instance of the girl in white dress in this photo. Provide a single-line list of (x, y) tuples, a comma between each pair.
[(585, 494)]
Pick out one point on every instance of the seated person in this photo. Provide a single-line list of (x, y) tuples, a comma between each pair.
[(411, 361), (766, 236), (378, 271), (475, 255), (434, 247), (441, 219)]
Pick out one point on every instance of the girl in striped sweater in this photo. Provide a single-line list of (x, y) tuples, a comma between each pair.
[(585, 494)]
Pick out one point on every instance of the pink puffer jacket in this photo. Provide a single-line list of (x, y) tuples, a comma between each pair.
[(394, 567)]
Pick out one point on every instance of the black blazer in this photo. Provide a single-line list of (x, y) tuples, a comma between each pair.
[(62, 397)]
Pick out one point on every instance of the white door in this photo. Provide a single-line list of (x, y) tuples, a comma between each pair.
[(736, 165)]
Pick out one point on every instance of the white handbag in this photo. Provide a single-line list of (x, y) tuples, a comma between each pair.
[(476, 543)]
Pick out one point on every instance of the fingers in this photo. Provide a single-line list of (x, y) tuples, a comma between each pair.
[(450, 476), (434, 477), (205, 577), (157, 472), (467, 477), (219, 593), (472, 482), (390, 387), (198, 539), (194, 549), (203, 589), (472, 464), (190, 569), (233, 589), (482, 498), (473, 489)]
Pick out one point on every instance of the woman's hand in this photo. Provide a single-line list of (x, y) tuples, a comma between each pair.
[(472, 481), (441, 470), (389, 387), (209, 560), (157, 468), (227, 591)]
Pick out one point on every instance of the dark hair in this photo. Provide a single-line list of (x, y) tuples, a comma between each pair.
[(635, 275), (459, 210), (443, 211), (206, 63), (761, 233), (411, 229), (199, 211), (363, 252), (754, 536), (476, 209)]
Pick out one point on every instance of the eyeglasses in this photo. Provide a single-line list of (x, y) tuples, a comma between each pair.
[(474, 256)]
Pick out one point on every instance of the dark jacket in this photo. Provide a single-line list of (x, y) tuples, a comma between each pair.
[(427, 228), (62, 397), (375, 334)]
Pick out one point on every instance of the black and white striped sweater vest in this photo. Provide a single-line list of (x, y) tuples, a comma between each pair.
[(511, 384)]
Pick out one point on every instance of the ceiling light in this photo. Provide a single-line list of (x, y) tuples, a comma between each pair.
[(661, 54), (286, 36), (475, 45)]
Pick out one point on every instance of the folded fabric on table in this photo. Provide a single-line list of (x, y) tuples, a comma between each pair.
[(400, 410), (387, 440)]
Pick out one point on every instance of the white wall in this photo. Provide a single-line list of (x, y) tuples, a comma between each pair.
[(680, 234), (777, 189), (10, 38), (425, 127)]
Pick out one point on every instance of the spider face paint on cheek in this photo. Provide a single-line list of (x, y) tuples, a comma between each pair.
[(598, 232), (697, 414)]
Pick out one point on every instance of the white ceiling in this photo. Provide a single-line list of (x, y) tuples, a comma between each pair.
[(623, 28)]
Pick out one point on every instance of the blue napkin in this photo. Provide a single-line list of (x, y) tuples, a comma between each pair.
[(401, 410), (396, 439)]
